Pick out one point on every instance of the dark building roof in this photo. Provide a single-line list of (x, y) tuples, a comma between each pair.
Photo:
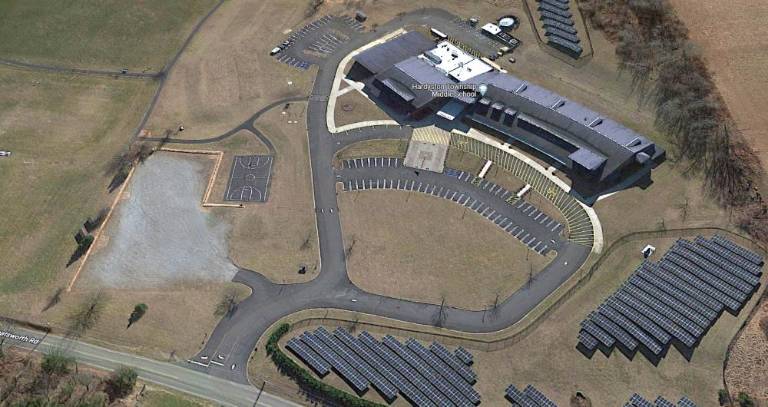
[(407, 78), (596, 139), (381, 57)]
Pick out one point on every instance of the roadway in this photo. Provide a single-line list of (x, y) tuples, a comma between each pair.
[(172, 376)]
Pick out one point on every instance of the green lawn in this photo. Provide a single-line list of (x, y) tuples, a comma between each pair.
[(97, 33), (62, 130)]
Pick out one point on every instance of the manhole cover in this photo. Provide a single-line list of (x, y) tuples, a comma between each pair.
[(347, 107)]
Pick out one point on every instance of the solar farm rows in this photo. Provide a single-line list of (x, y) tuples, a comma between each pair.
[(557, 21), (432, 376), (637, 401), (529, 397), (532, 397), (675, 300)]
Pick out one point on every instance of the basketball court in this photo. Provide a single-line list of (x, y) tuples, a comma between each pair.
[(249, 178)]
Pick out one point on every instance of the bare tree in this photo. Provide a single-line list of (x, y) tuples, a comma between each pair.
[(87, 314), (228, 303)]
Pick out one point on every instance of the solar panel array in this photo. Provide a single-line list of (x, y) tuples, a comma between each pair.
[(431, 376), (529, 397), (638, 401), (679, 298), (532, 397), (559, 29)]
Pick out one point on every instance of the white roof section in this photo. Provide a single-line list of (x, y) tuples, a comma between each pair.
[(454, 62), (491, 28), (450, 57), (470, 70)]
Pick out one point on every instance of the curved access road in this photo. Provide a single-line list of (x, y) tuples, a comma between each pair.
[(229, 347)]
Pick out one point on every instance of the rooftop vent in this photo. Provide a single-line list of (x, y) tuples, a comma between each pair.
[(634, 143), (521, 88), (596, 122), (558, 104)]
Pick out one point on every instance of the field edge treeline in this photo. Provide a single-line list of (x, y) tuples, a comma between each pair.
[(667, 70)]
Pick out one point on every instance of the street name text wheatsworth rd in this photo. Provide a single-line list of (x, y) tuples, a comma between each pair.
[(20, 338)]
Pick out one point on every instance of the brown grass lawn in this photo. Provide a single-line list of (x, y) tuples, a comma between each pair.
[(463, 161), (733, 40), (353, 107), (98, 34), (373, 148), (422, 248), (227, 74), (62, 131), (547, 357), (159, 397), (745, 371), (270, 238)]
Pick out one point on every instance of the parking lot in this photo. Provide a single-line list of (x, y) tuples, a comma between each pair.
[(462, 31), (516, 217), (313, 42)]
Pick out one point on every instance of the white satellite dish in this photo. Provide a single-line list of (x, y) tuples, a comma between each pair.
[(482, 89)]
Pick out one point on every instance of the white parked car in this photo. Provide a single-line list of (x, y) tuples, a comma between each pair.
[(5, 153), (275, 50)]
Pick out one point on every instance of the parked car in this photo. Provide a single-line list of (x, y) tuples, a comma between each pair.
[(275, 50), (5, 153)]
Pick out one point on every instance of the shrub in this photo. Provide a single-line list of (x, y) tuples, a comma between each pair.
[(722, 397), (121, 382), (56, 363), (138, 311), (745, 400)]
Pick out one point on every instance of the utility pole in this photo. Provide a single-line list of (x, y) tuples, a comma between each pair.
[(261, 389)]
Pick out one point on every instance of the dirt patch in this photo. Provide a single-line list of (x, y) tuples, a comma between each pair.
[(409, 245), (160, 234)]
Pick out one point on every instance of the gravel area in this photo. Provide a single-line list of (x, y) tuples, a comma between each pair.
[(160, 233)]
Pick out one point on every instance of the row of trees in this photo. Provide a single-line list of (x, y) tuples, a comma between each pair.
[(667, 70), (56, 381)]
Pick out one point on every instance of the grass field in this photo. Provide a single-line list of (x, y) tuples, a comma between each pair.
[(138, 35), (413, 246), (733, 39), (277, 237), (227, 74), (162, 398), (374, 148), (62, 131), (353, 107)]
